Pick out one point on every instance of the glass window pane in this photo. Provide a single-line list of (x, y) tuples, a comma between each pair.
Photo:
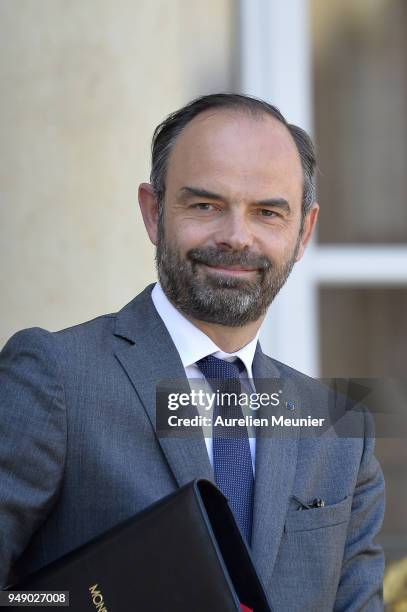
[(360, 94), (363, 333)]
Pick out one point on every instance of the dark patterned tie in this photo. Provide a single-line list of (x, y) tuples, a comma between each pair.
[(232, 460)]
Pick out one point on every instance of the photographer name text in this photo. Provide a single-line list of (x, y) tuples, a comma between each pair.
[(244, 421)]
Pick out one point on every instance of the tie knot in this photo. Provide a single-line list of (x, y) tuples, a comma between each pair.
[(212, 367)]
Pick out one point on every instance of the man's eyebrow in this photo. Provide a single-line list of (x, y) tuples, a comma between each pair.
[(210, 195), (277, 202), (201, 193)]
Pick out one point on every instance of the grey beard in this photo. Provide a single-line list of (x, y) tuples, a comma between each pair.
[(230, 301)]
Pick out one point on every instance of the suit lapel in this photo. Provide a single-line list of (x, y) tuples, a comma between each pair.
[(276, 457), (150, 357)]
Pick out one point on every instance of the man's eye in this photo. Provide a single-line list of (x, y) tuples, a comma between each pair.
[(203, 206), (265, 212)]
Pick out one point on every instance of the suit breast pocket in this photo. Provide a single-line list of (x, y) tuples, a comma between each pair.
[(317, 518)]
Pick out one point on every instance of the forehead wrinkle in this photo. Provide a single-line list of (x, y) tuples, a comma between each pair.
[(204, 157), (240, 120)]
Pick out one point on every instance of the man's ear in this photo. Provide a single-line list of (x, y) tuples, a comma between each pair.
[(149, 209), (308, 229)]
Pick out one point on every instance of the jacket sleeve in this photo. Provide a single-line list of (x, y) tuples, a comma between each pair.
[(360, 586), (32, 440)]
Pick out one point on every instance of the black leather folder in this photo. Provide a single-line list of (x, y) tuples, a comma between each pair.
[(184, 553)]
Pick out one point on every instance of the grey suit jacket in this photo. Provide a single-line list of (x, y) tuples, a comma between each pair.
[(79, 453)]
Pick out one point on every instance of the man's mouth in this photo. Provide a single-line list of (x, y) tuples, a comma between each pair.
[(232, 270)]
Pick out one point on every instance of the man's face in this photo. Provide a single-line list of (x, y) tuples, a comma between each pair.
[(230, 229)]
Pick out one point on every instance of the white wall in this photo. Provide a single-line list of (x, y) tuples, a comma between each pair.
[(83, 86)]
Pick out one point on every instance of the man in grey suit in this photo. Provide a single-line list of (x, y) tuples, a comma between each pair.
[(230, 208)]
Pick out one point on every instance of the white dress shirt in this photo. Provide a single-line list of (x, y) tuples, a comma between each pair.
[(192, 345)]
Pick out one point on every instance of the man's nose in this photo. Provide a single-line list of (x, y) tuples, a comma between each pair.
[(234, 231)]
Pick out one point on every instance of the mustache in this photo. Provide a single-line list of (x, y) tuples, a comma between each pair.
[(213, 256)]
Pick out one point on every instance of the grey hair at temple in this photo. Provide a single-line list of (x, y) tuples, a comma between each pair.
[(167, 132)]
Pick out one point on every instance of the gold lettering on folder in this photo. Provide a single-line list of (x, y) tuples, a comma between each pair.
[(97, 598)]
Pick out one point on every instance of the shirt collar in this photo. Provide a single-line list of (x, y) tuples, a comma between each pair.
[(191, 343)]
